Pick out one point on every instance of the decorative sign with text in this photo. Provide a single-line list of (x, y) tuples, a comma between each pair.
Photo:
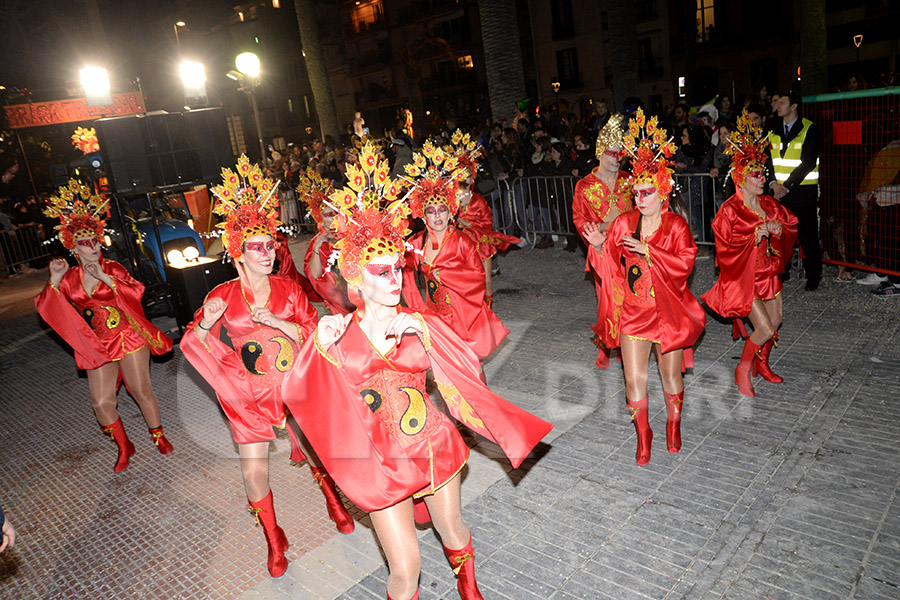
[(71, 110)]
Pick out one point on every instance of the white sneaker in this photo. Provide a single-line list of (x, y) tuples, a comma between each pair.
[(871, 279)]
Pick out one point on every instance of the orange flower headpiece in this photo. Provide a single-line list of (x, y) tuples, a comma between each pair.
[(748, 148), (77, 208), (364, 228), (86, 140), (314, 190), (244, 199), (650, 150), (434, 173), (610, 136), (467, 152)]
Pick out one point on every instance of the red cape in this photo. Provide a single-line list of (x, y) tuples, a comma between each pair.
[(735, 228), (62, 308), (330, 287), (481, 228), (356, 448), (456, 270), (671, 259), (592, 200), (287, 268)]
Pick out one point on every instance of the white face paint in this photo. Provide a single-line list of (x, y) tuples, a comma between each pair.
[(259, 254), (382, 280)]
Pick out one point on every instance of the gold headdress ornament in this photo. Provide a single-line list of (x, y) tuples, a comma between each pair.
[(86, 140), (77, 208), (610, 136), (244, 200), (365, 230), (467, 152), (748, 147), (434, 173), (314, 190), (650, 150)]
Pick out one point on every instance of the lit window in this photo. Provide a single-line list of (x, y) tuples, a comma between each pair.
[(465, 62), (706, 20), (276, 3), (367, 14), (240, 16)]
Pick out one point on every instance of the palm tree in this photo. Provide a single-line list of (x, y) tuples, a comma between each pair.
[(623, 48), (813, 53), (315, 69), (502, 56)]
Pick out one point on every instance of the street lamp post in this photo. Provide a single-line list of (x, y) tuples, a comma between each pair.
[(175, 26), (554, 85), (248, 64)]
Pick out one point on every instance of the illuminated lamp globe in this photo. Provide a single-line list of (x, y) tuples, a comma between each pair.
[(191, 253), (175, 257), (247, 63)]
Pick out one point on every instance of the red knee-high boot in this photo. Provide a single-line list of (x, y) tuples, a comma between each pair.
[(742, 372), (264, 511), (673, 420), (640, 418), (761, 364), (159, 438), (336, 509), (117, 434), (463, 563), (415, 596)]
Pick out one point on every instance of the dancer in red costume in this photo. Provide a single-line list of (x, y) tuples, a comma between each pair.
[(318, 264), (447, 258), (755, 237), (359, 385), (267, 318), (287, 268), (96, 308), (647, 257), (475, 218), (599, 198)]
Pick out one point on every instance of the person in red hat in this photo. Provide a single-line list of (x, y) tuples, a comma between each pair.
[(648, 254), (755, 237), (266, 318), (96, 308), (358, 392)]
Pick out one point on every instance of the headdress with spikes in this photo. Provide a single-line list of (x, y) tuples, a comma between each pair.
[(467, 152), (314, 190), (748, 147), (434, 174), (650, 150), (610, 136), (245, 200), (77, 209), (365, 229)]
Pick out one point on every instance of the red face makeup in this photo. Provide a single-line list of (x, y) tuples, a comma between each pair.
[(392, 273), (89, 243), (433, 211), (643, 193), (614, 155), (755, 174), (261, 247)]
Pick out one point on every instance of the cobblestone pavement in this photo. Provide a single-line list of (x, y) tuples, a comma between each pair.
[(792, 494)]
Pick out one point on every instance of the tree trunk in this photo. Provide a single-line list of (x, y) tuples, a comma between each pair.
[(623, 48), (315, 69), (502, 57), (813, 54)]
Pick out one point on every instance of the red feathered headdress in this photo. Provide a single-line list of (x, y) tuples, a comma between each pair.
[(366, 230), (748, 148), (314, 190), (650, 151), (434, 174), (244, 199), (467, 153), (77, 208)]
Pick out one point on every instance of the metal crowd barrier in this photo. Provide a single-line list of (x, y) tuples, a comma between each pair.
[(21, 246), (533, 207), (294, 212)]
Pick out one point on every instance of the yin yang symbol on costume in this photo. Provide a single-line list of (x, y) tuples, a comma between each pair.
[(114, 318), (634, 273), (432, 287), (372, 398), (88, 314), (250, 353), (285, 357), (413, 420)]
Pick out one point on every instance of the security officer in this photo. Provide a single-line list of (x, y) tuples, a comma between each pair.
[(795, 159)]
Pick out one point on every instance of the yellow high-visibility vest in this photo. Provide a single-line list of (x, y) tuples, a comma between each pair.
[(785, 165)]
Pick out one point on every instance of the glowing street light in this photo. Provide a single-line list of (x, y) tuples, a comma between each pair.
[(95, 82), (175, 26), (248, 64)]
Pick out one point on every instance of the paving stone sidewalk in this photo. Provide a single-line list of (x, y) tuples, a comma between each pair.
[(792, 494)]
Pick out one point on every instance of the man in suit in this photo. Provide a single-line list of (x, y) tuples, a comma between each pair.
[(795, 157)]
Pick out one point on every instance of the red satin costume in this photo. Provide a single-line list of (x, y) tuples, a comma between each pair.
[(105, 324), (481, 224), (373, 425), (247, 378), (592, 203), (749, 271), (454, 289), (287, 268), (648, 298), (330, 286)]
